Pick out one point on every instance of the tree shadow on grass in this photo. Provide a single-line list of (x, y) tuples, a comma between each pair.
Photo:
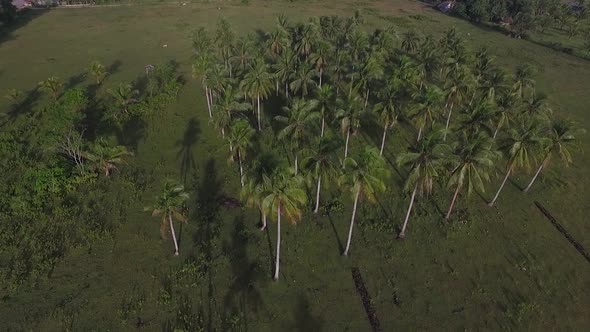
[(305, 320), (340, 247), (242, 296), (25, 16), (187, 144), (207, 219), (24, 106)]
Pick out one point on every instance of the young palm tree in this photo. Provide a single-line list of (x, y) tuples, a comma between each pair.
[(320, 164), (15, 96), (348, 114), (105, 158), (52, 85), (304, 79), (472, 162), (561, 137), (365, 177), (240, 138), (124, 96), (98, 71), (299, 122), (325, 98), (426, 160), (258, 82), (523, 80), (520, 145), (169, 205), (285, 197), (410, 42)]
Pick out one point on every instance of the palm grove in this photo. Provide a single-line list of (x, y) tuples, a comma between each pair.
[(291, 102)]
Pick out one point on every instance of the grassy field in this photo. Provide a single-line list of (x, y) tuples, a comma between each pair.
[(500, 268)]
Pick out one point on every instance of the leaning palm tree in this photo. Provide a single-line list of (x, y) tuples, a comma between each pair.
[(105, 158), (472, 162), (285, 197), (427, 109), (169, 205), (349, 113), (426, 160), (365, 177), (98, 71), (124, 96), (320, 164), (561, 137), (240, 138), (299, 121), (257, 83), (52, 85), (520, 146)]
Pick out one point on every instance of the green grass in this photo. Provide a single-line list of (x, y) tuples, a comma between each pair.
[(502, 268)]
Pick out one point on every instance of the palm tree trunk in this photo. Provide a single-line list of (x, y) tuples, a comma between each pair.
[(383, 139), (173, 234), (241, 169), (501, 186), (356, 200), (296, 165), (321, 72), (448, 121), (223, 133), (402, 234), (498, 128), (276, 277), (351, 84), (208, 102), (323, 126), (419, 134), (286, 90), (211, 97), (263, 221), (366, 98), (346, 146), (453, 202), (535, 177), (258, 101), (277, 87), (317, 195)]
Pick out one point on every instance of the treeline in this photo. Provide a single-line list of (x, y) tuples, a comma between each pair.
[(66, 178), (304, 94), (526, 15)]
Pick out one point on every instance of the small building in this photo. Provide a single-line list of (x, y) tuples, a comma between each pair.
[(446, 6)]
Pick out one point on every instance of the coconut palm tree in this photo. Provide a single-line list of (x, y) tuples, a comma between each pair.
[(523, 80), (370, 70), (52, 85), (305, 38), (427, 109), (105, 158), (519, 147), (388, 109), (224, 38), (298, 124), (285, 197), (284, 69), (508, 106), (303, 80), (254, 192), (199, 70), (458, 88), (124, 96), (478, 117), (240, 140), (227, 107), (349, 113), (320, 59), (277, 41), (560, 139), (320, 164), (325, 98), (410, 42), (426, 160), (472, 162), (243, 53), (257, 83), (98, 71), (169, 205), (365, 176), (202, 43)]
